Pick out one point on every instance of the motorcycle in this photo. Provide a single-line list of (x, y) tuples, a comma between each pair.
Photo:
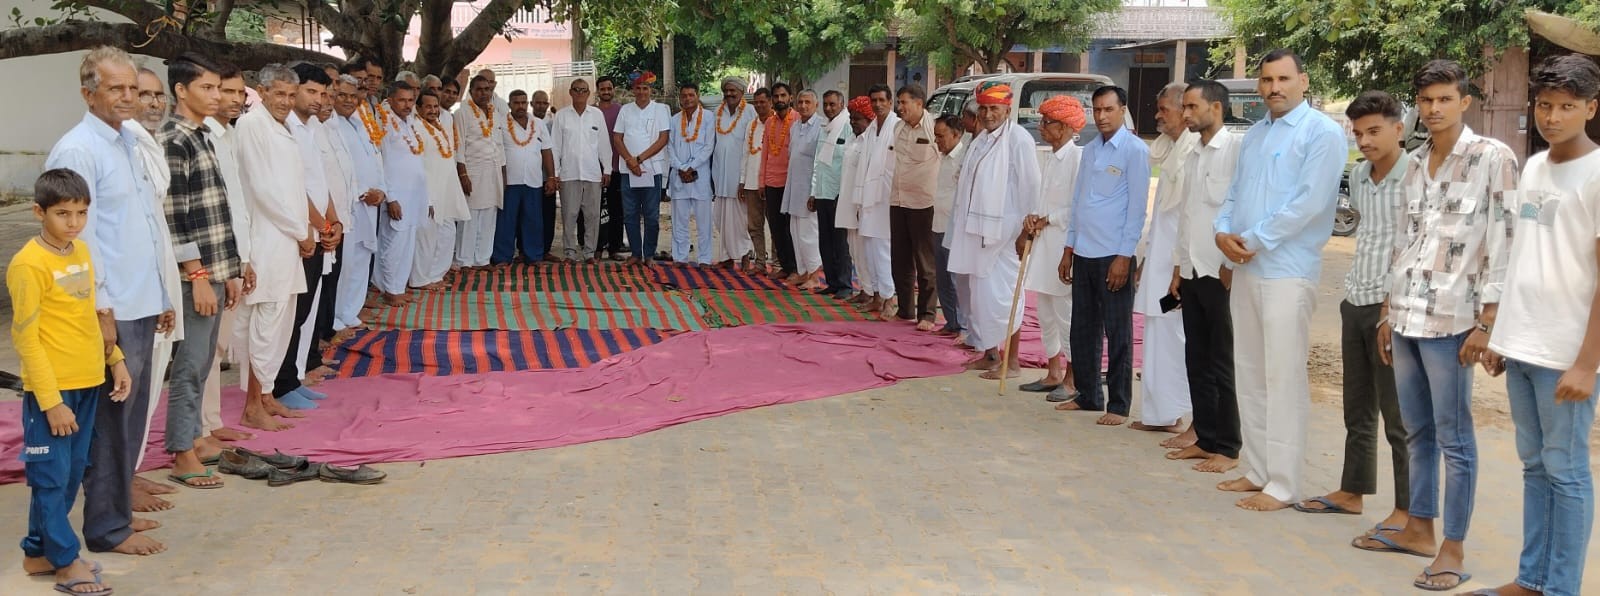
[(1346, 219)]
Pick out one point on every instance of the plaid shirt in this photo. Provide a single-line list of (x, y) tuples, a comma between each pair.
[(197, 201), (1455, 238)]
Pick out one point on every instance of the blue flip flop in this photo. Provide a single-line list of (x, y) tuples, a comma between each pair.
[(1461, 577), (67, 587), (1389, 546), (1328, 506)]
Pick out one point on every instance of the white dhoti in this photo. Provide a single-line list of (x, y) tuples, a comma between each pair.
[(863, 267), (964, 297), (1055, 323), (435, 243), (991, 306), (807, 241), (698, 210), (475, 238), (877, 259), (352, 289), (397, 250), (1164, 384), (1271, 341), (261, 338), (733, 226)]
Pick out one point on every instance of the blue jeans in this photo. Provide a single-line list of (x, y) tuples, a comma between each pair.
[(521, 225), (1557, 487), (948, 301), (642, 203), (54, 468), (1436, 407)]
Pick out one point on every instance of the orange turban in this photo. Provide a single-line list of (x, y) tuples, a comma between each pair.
[(861, 106), (1065, 109), (995, 95), (644, 77)]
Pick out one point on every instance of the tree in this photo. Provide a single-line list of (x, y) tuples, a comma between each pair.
[(1354, 45), (959, 33)]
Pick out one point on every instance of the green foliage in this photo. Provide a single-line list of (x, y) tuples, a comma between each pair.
[(617, 55), (1353, 45), (956, 33), (247, 26)]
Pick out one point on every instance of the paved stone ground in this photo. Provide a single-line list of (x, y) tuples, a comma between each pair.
[(931, 486)]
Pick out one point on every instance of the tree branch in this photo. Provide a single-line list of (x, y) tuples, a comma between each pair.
[(948, 18), (219, 25), (73, 35), (477, 34), (141, 13)]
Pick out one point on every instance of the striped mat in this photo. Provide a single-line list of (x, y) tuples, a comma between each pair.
[(684, 277), (555, 277), (441, 353), (726, 308), (473, 311)]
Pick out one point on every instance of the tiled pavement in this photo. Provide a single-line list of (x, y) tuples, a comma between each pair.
[(931, 486)]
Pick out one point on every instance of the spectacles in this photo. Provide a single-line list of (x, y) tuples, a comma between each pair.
[(579, 91), (152, 97)]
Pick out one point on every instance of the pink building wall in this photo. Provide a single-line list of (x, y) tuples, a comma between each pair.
[(537, 41)]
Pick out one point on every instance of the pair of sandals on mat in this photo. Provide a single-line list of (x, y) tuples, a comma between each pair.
[(1376, 540)]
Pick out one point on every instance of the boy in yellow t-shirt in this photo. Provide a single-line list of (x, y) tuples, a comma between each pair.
[(64, 359)]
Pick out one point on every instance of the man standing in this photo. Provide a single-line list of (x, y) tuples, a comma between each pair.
[(1060, 119), (1272, 233), (540, 104), (582, 153), (528, 160), (339, 169), (405, 210), (997, 188), (1164, 387), (733, 125), (877, 182), (483, 155), (125, 240), (833, 243), (1203, 281), (1377, 191), (952, 146), (447, 200), (916, 176), (609, 218), (774, 175), (1108, 208), (755, 199), (848, 218), (219, 132), (362, 136), (641, 140), (798, 204), (689, 159), (202, 234), (1445, 286)]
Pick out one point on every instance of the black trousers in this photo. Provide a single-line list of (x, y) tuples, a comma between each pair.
[(330, 296), (778, 222), (1369, 391), (610, 235), (911, 262), (1099, 312), (835, 246), (1208, 353), (289, 372)]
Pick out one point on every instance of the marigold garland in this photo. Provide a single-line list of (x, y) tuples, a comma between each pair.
[(415, 149), (774, 146), (750, 137), (485, 121), (683, 124), (445, 153), (511, 129), (731, 125), (371, 120)]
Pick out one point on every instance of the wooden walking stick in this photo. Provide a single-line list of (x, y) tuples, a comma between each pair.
[(1016, 295)]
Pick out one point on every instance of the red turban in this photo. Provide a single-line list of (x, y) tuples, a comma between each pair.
[(1064, 109), (995, 95), (644, 77), (861, 106)]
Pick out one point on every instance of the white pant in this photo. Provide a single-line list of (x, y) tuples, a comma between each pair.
[(807, 247), (578, 196), (862, 266), (684, 210), (877, 259), (1055, 323), (435, 243), (397, 250), (1271, 341), (352, 292), (733, 225), (475, 238), (211, 399), (261, 332), (1164, 382)]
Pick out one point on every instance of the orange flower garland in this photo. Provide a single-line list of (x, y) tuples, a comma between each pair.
[(485, 121), (443, 152), (511, 129), (371, 121), (750, 137), (683, 124), (781, 143), (731, 125), (415, 149)]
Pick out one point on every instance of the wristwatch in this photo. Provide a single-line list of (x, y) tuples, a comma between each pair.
[(1485, 328)]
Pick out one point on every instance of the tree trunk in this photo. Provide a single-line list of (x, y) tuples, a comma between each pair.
[(74, 35)]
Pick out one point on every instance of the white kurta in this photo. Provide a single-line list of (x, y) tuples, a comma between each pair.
[(1058, 172), (848, 212), (273, 177), (436, 239), (727, 179), (407, 185), (482, 151), (361, 230), (991, 264), (877, 177), (750, 166), (1164, 383)]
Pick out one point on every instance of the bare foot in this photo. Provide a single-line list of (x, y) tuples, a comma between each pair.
[(1190, 452), (37, 566), (258, 418), (231, 434), (80, 571), (151, 487), (1070, 406), (141, 524), (139, 544), (1171, 428), (1217, 464), (144, 502), (343, 335), (924, 325), (981, 363), (1110, 419), (993, 374), (1260, 502), (890, 308), (394, 300), (1184, 439), (277, 409), (1511, 589), (1346, 501), (1238, 485)]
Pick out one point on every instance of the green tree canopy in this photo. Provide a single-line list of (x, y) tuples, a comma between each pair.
[(958, 33)]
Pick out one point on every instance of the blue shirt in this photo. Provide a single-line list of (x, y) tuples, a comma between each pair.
[(124, 237), (685, 155), (1284, 193), (1109, 203), (825, 179)]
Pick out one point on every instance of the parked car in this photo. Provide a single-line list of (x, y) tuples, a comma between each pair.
[(1028, 91)]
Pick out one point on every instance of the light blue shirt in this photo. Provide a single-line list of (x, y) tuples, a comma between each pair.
[(122, 230), (825, 179), (684, 155), (1109, 203), (1284, 193)]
